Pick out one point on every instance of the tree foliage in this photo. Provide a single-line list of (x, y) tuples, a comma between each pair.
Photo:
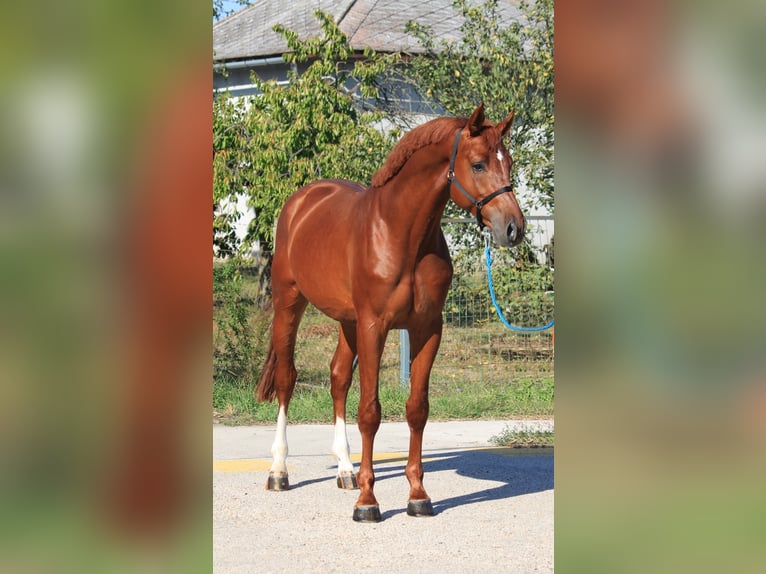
[(240, 335), (289, 135), (507, 65)]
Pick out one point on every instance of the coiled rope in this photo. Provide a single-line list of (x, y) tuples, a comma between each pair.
[(505, 321)]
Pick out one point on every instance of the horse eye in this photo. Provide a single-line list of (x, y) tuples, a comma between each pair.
[(478, 167)]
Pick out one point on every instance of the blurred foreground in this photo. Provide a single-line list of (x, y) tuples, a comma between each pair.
[(104, 243), (661, 326), (106, 277)]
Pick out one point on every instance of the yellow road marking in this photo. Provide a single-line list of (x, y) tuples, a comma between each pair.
[(262, 464), (386, 456), (244, 465)]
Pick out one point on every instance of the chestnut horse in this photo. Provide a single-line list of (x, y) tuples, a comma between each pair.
[(376, 259)]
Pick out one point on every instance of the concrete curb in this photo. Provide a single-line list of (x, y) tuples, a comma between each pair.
[(313, 439)]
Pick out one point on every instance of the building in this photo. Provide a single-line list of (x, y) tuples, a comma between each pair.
[(245, 43)]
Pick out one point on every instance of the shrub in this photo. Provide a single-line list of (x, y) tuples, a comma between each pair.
[(241, 328)]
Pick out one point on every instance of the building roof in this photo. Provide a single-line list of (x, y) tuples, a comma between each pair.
[(378, 24)]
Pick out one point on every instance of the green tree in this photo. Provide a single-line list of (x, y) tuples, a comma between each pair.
[(289, 135), (507, 65)]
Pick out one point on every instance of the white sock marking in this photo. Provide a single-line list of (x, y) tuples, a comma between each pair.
[(279, 448), (340, 447)]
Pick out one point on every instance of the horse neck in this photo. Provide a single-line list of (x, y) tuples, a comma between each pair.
[(415, 199)]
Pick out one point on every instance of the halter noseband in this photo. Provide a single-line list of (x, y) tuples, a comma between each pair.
[(452, 179)]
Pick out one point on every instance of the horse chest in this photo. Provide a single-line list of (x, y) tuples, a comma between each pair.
[(431, 284), (419, 291)]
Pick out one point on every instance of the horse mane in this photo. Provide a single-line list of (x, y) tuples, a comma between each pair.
[(426, 134)]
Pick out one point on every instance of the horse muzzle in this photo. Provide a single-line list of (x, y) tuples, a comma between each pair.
[(507, 233), (514, 232)]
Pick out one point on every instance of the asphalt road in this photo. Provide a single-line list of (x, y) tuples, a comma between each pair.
[(493, 507)]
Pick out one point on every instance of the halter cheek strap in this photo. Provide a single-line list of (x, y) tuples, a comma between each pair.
[(452, 179)]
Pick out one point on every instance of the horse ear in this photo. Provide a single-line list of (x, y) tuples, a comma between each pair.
[(476, 121), (505, 125)]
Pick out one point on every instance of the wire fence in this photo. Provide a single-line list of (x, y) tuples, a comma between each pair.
[(476, 347)]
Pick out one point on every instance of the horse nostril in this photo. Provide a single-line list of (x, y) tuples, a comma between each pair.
[(512, 231)]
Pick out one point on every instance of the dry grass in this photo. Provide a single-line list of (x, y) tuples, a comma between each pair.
[(482, 371), (484, 353)]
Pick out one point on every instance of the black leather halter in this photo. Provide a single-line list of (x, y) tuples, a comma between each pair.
[(452, 179)]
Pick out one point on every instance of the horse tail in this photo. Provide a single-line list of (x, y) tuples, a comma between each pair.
[(265, 388)]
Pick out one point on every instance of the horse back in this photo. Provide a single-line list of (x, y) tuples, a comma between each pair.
[(335, 193)]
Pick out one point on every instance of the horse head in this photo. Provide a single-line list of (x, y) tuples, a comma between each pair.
[(479, 177)]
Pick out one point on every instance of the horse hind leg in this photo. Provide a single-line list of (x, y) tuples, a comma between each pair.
[(278, 479), (341, 371), (287, 316)]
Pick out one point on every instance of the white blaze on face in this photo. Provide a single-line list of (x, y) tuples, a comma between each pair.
[(279, 448), (499, 156), (340, 447)]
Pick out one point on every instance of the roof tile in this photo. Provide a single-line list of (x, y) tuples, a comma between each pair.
[(378, 24)]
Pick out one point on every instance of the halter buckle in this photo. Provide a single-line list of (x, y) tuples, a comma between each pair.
[(487, 237)]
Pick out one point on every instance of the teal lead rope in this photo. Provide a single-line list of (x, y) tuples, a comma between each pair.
[(505, 321)]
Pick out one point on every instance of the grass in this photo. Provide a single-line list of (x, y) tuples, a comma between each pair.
[(310, 403), (482, 371), (477, 375), (523, 438)]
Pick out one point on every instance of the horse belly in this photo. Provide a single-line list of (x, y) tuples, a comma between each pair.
[(319, 260), (322, 279)]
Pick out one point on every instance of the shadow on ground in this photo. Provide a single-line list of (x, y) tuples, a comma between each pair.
[(516, 472)]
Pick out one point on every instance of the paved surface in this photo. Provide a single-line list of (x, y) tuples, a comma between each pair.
[(494, 507)]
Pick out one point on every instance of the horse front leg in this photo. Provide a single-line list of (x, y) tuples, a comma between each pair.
[(370, 340), (341, 371), (424, 345)]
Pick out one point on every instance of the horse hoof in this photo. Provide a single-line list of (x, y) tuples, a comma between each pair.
[(277, 482), (347, 481), (420, 507), (366, 514)]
